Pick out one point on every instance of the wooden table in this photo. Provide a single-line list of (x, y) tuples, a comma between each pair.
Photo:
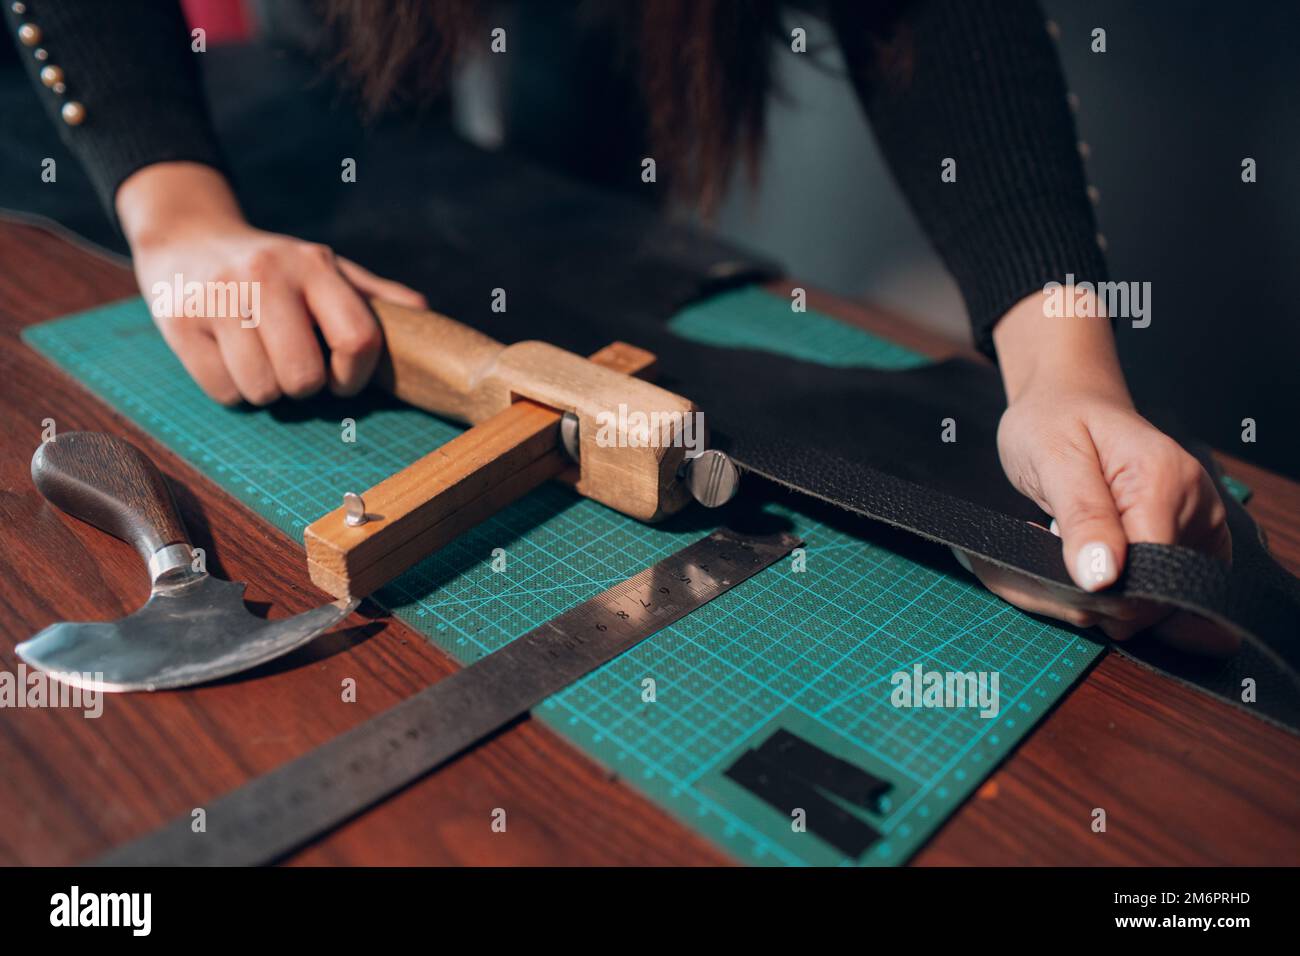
[(1184, 778)]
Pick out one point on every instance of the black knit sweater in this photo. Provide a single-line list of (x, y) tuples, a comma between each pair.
[(976, 81)]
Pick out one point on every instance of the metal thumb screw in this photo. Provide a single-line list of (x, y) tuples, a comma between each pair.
[(713, 478)]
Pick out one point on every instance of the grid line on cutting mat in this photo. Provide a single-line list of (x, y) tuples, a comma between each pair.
[(814, 649)]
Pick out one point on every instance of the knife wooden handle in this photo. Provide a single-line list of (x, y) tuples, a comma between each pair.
[(111, 484)]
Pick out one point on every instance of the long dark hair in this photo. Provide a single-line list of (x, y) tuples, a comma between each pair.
[(704, 68)]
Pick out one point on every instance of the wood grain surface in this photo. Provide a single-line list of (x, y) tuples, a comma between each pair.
[(1184, 778)]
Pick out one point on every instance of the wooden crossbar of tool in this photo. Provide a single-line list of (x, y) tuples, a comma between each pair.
[(538, 413)]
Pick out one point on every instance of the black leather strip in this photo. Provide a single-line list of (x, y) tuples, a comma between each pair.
[(1254, 598), (821, 769), (778, 787)]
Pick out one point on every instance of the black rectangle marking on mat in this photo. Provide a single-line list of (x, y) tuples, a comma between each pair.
[(807, 760), (783, 790)]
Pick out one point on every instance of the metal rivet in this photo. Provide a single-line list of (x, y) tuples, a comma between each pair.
[(59, 88), (18, 8), (41, 54), (1084, 149), (51, 75), (1053, 29), (74, 114), (1102, 244), (1073, 100), (354, 510), (29, 34), (1094, 195)]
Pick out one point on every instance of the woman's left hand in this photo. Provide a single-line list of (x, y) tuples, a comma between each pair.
[(1071, 441)]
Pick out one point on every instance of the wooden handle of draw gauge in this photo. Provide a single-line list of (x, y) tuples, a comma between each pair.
[(433, 362), (514, 396)]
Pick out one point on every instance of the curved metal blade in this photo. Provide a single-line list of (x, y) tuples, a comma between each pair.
[(197, 632)]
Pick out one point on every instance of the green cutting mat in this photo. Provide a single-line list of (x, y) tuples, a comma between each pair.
[(811, 651)]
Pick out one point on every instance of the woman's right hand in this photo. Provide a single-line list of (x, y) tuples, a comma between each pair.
[(181, 219)]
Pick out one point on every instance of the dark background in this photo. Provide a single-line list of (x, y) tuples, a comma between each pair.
[(1187, 91)]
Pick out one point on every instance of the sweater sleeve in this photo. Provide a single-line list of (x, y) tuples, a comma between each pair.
[(978, 81), (129, 67)]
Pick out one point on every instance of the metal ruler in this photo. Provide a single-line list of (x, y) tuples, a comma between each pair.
[(281, 811)]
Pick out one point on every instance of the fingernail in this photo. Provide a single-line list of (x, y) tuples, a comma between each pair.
[(1054, 528), (1095, 566), (962, 559)]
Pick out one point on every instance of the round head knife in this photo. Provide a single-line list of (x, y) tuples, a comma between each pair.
[(194, 627)]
